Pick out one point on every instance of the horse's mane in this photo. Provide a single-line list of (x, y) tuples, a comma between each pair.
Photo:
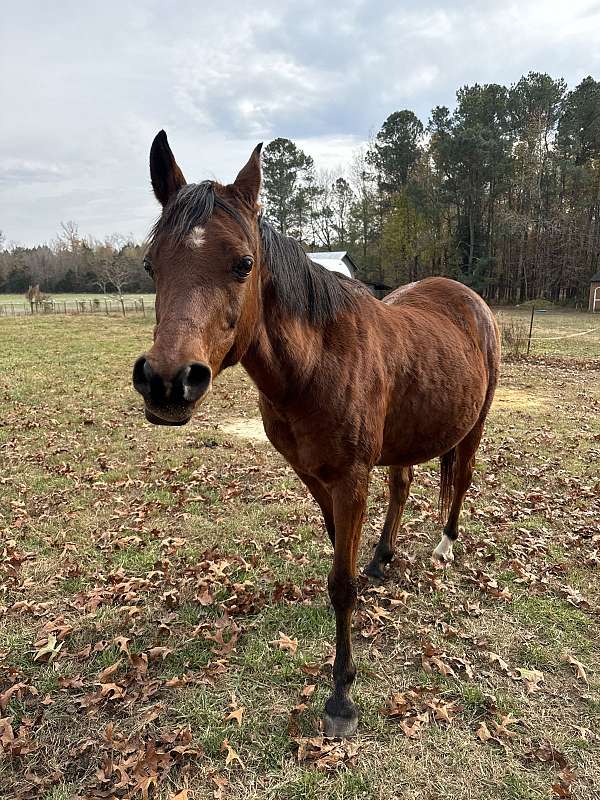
[(304, 289)]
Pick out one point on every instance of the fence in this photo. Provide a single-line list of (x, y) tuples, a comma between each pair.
[(97, 305)]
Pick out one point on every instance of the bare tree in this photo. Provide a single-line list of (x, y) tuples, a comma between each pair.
[(116, 273)]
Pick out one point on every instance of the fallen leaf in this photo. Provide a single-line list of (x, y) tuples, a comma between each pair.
[(51, 649), (580, 670), (231, 754), (220, 782), (106, 673), (285, 643), (483, 733), (236, 713), (531, 678)]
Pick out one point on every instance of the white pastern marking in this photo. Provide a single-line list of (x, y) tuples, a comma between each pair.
[(196, 238), (443, 552)]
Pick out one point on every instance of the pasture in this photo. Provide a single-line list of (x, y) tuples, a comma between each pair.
[(83, 302), (165, 620)]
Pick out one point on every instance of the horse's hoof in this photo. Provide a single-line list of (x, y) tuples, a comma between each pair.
[(443, 556), (375, 571), (339, 727)]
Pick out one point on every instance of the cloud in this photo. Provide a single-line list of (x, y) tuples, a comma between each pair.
[(86, 87), (15, 172)]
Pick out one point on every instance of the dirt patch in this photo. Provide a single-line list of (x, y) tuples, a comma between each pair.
[(251, 429), (513, 399)]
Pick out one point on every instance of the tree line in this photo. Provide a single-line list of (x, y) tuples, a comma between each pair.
[(74, 263), (501, 193)]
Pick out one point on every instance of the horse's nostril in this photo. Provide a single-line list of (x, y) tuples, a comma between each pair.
[(195, 379), (142, 373)]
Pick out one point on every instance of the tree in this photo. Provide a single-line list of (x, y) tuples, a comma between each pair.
[(396, 148), (363, 217), (342, 198), (579, 129), (471, 150), (286, 171)]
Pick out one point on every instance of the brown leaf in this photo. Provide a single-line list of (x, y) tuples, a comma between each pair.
[(122, 643), (111, 689), (566, 778), (220, 782), (494, 658), (18, 689), (285, 643), (399, 704), (326, 754), (502, 728), (580, 670), (531, 678), (442, 712), (231, 754), (311, 669), (547, 754), (106, 673), (483, 733), (236, 713), (51, 649), (412, 726)]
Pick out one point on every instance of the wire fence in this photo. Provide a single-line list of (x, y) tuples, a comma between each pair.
[(97, 305)]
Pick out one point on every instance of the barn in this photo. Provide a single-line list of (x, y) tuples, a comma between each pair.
[(338, 261), (595, 293)]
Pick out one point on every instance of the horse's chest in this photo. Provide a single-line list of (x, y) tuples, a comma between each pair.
[(307, 444)]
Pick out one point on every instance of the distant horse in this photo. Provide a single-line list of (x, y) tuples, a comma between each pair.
[(346, 382)]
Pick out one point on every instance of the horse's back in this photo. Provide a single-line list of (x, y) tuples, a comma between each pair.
[(442, 300)]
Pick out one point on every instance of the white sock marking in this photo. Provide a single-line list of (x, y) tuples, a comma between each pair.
[(443, 552)]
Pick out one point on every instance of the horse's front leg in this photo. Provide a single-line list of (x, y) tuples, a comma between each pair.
[(349, 500)]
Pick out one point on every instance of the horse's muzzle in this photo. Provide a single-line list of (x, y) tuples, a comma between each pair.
[(171, 401)]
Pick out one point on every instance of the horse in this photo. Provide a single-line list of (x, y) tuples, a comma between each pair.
[(346, 382)]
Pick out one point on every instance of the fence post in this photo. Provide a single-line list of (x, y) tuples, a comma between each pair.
[(143, 308), (530, 328), (106, 306)]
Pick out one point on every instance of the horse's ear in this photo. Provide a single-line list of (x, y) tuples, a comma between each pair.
[(249, 177), (167, 178)]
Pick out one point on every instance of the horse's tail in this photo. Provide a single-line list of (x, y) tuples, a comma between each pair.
[(446, 482)]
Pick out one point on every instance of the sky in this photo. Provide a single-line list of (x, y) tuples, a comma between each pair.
[(85, 86)]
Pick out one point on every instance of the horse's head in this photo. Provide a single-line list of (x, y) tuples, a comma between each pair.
[(204, 255)]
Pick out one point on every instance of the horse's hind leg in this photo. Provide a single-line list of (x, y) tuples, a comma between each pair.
[(462, 476), (400, 480)]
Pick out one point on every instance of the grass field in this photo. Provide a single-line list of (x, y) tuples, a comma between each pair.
[(165, 628), (85, 302), (73, 296)]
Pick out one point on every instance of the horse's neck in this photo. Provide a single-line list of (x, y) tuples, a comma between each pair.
[(283, 356)]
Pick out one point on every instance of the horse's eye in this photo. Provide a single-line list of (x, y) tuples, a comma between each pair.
[(243, 267), (148, 266)]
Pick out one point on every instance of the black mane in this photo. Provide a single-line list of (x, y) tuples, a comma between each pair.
[(304, 289)]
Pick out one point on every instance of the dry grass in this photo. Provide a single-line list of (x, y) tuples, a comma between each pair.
[(114, 528)]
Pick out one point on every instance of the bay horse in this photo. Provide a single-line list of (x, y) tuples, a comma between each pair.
[(346, 382)]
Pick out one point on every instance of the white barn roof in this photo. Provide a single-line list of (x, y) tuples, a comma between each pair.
[(338, 261)]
